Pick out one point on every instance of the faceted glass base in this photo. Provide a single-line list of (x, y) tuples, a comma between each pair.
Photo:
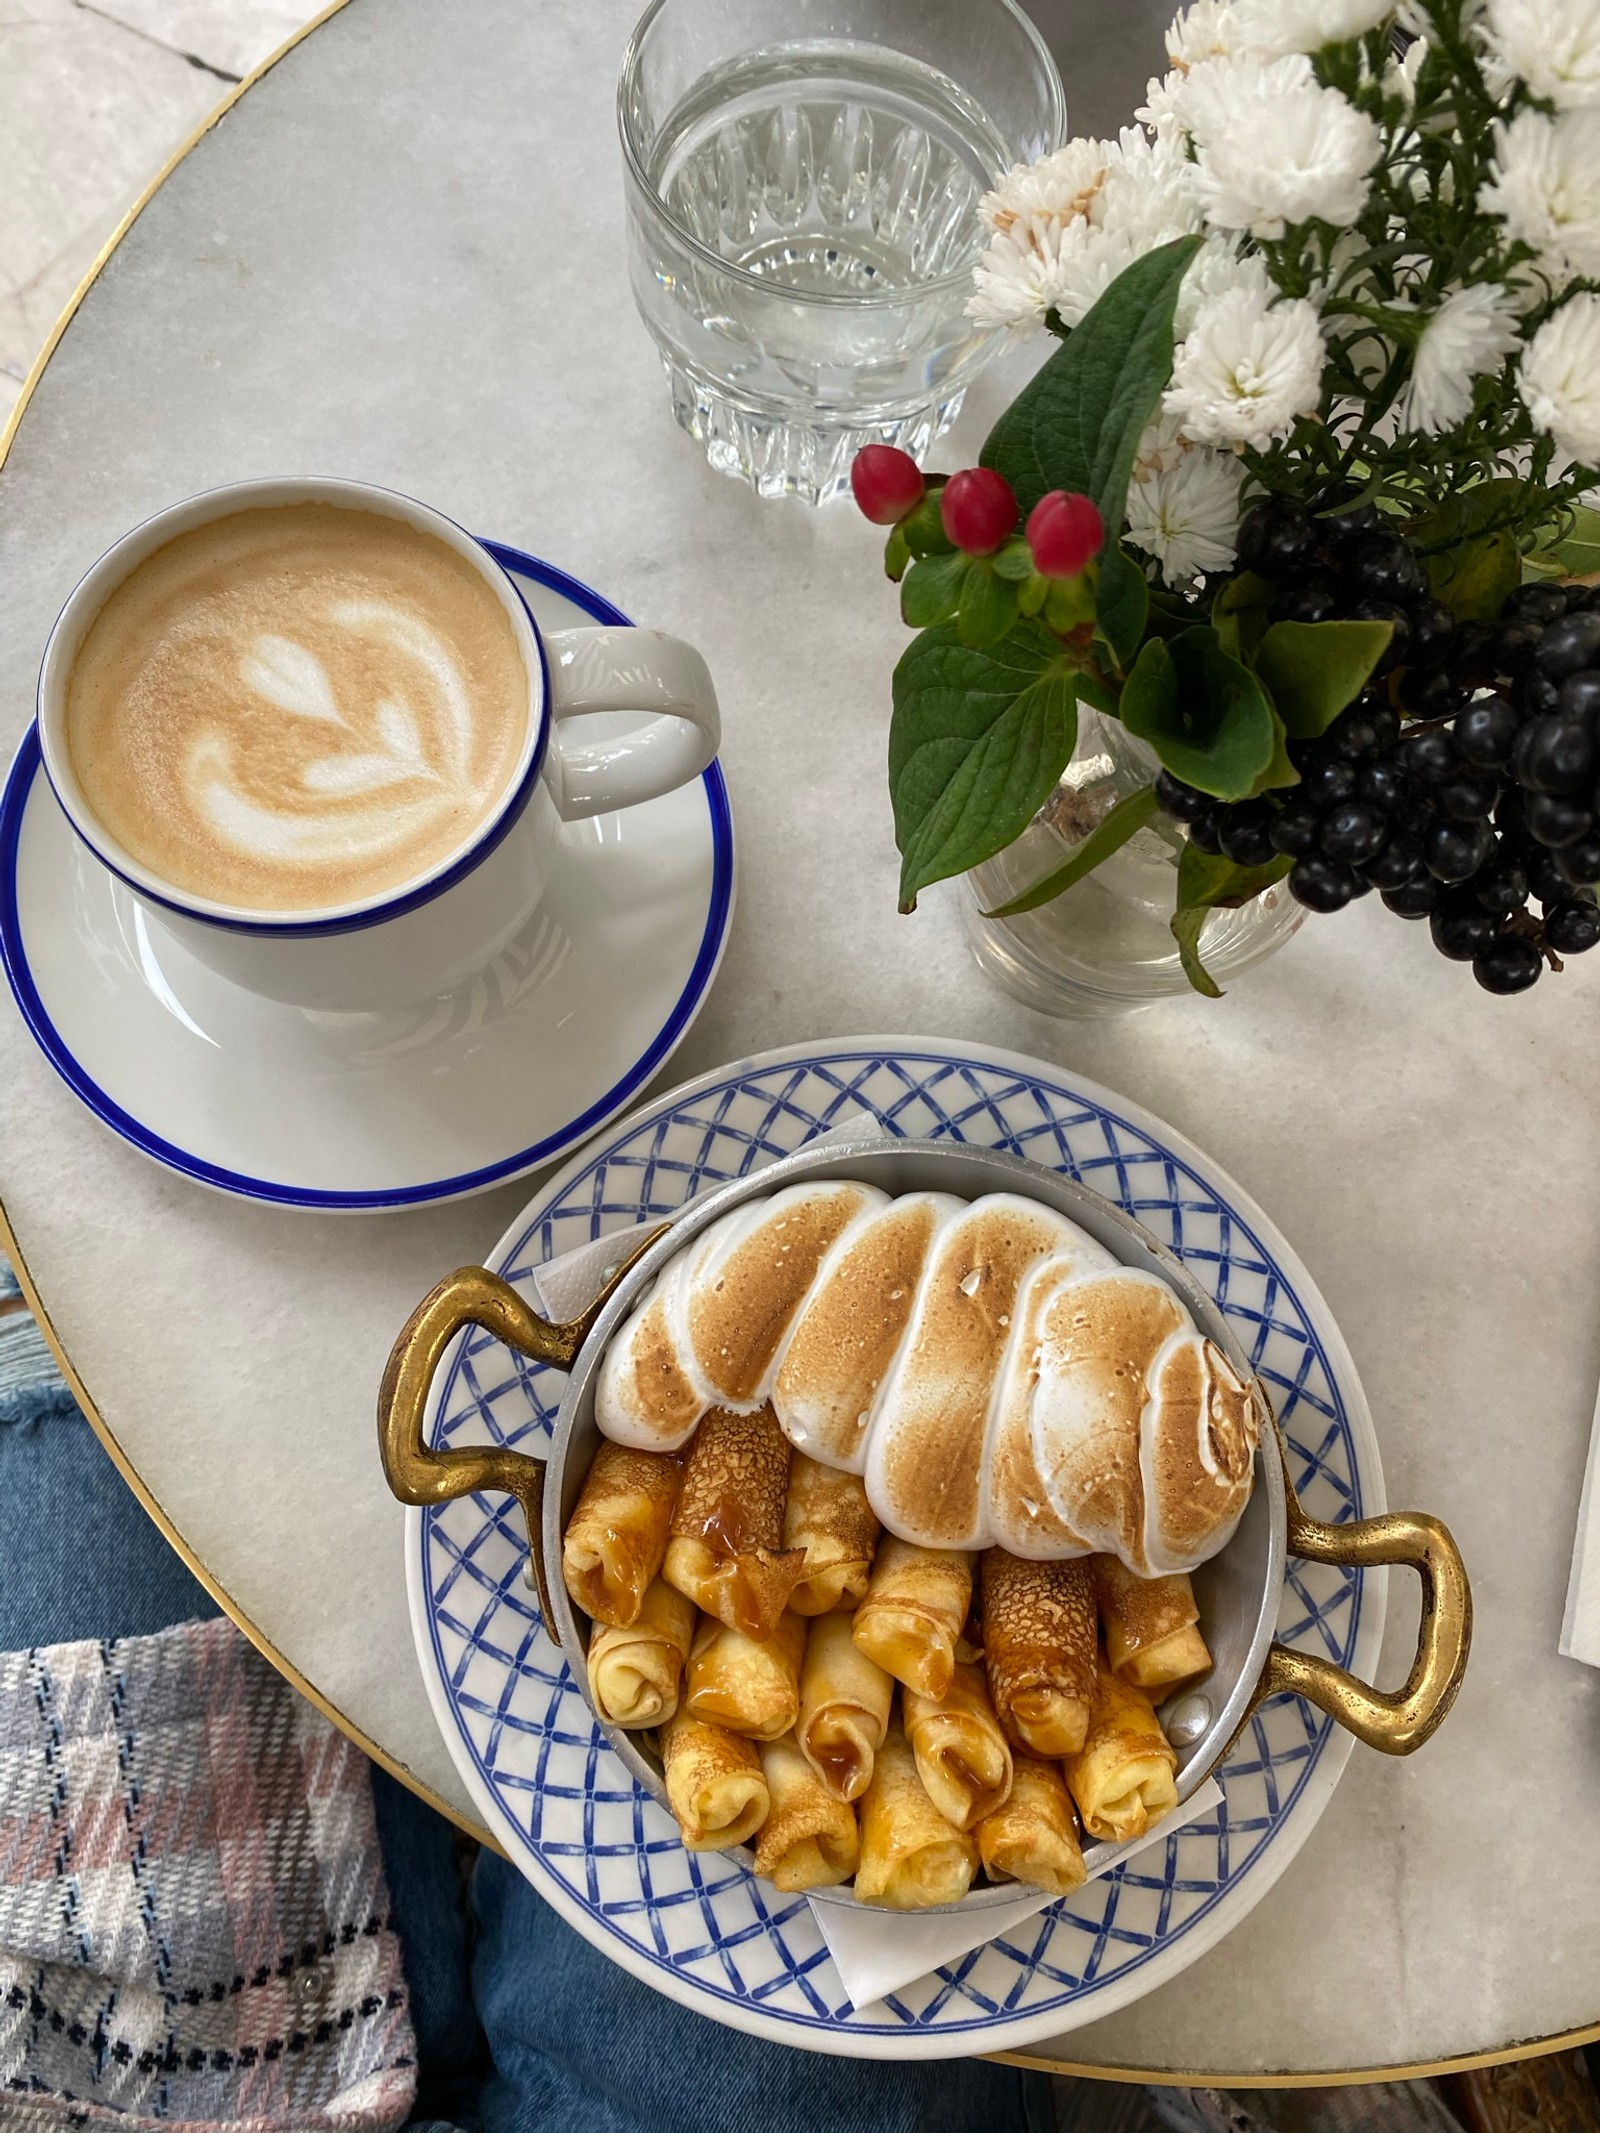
[(1106, 946), (780, 454)]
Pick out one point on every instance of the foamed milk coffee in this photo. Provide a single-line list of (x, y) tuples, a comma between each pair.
[(297, 707)]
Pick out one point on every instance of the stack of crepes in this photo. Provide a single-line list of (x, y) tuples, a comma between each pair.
[(971, 1687)]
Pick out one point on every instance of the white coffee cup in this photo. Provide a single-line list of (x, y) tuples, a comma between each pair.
[(428, 934)]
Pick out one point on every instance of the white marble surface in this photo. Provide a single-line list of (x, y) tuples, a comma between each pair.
[(400, 257), (94, 95)]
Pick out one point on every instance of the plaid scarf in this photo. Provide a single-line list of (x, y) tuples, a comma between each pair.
[(194, 1925)]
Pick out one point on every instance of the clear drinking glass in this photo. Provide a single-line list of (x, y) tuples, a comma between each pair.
[(803, 180)]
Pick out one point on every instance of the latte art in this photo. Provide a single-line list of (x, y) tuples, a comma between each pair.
[(298, 707)]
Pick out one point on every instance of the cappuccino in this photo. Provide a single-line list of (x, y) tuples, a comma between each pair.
[(297, 707)]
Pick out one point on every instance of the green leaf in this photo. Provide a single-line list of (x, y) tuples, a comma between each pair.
[(976, 744), (1094, 691), (1206, 715), (1314, 669), (923, 528), (1280, 771), (1577, 553), (1476, 581), (1205, 883), (1469, 545), (1465, 514), (931, 590), (1123, 604), (1186, 930), (1240, 614), (988, 605), (1130, 814), (1077, 423), (1168, 612), (896, 554), (1015, 559)]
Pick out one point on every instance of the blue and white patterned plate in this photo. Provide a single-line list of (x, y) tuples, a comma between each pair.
[(699, 1927)]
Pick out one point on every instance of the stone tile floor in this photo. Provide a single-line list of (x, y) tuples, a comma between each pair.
[(94, 96)]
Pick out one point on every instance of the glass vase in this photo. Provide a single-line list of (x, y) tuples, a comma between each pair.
[(1106, 946)]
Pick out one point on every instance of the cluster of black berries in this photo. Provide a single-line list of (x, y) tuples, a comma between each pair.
[(1465, 781)]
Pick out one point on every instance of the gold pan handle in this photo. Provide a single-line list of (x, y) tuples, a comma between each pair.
[(419, 1474), (1398, 1723)]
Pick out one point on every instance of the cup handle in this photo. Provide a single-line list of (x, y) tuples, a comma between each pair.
[(1400, 1722), (623, 669), (419, 1473)]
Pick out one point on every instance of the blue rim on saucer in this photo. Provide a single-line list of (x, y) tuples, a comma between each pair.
[(700, 1927), (26, 769)]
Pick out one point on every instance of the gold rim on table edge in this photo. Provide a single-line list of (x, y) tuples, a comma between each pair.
[(1526, 2048)]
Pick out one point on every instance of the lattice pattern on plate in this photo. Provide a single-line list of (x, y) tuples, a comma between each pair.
[(703, 1927)]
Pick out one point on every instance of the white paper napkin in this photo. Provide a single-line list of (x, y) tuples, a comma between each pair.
[(1580, 1625), (878, 1952)]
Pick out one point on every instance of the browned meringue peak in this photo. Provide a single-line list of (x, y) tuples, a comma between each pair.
[(844, 1343), (1198, 1439), (713, 1323), (643, 1398), (1097, 1341), (925, 1446), (1018, 1513), (743, 1298)]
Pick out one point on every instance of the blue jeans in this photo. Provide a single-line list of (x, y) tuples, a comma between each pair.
[(521, 2026)]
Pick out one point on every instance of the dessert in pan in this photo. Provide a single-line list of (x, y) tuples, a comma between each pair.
[(890, 1537)]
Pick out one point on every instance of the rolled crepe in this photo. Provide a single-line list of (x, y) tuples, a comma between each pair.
[(961, 1753), (828, 1515), (1039, 1650), (911, 1857), (1124, 1778), (914, 1611), (616, 1537), (715, 1785), (809, 1839), (748, 1687), (635, 1674), (726, 1551), (1151, 1625), (1033, 1836), (844, 1707)]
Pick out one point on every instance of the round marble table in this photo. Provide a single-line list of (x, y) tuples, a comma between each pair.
[(400, 256)]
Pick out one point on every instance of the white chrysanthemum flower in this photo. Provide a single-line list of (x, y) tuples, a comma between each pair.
[(1551, 45), (1058, 186), (1219, 265), (1183, 503), (1270, 28), (1247, 369), (1400, 75), (1472, 331), (1544, 185), (1272, 146), (1064, 230), (1560, 379), (1207, 30)]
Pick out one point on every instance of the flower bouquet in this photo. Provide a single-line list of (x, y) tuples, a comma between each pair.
[(1299, 499)]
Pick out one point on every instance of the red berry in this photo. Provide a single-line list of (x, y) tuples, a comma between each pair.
[(978, 510), (1065, 532), (887, 483)]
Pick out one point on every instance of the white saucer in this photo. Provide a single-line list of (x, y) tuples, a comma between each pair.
[(375, 1111)]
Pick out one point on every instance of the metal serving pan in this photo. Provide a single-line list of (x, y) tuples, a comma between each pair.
[(1239, 1590)]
